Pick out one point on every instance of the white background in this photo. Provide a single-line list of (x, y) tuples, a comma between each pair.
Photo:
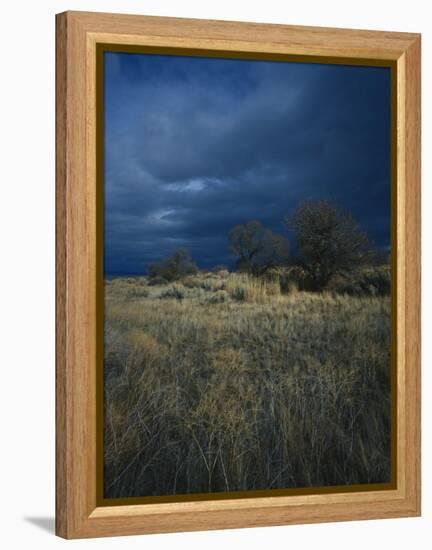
[(27, 271)]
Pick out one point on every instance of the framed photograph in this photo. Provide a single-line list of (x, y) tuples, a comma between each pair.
[(238, 274)]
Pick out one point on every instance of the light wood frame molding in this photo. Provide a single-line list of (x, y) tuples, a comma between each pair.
[(78, 34)]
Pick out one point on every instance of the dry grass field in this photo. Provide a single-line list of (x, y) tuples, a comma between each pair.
[(222, 383)]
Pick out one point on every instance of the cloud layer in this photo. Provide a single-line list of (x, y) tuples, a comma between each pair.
[(194, 146)]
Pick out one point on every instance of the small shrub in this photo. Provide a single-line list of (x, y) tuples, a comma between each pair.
[(379, 278), (370, 281), (212, 284), (137, 292), (219, 269), (157, 281), (174, 291), (294, 278), (207, 284), (219, 297), (219, 285), (239, 293), (173, 267), (191, 282)]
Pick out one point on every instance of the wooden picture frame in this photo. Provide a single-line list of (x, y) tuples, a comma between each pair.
[(78, 263)]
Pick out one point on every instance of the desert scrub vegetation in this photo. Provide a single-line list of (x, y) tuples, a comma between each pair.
[(227, 382)]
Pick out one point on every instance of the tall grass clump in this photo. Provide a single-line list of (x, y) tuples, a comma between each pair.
[(246, 288)]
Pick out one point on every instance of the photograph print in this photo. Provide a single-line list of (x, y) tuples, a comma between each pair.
[(247, 305)]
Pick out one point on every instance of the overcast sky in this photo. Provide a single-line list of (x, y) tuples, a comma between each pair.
[(194, 146)]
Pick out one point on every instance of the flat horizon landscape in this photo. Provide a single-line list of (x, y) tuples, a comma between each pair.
[(251, 349)]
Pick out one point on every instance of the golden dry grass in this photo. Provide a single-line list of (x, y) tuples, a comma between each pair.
[(222, 383)]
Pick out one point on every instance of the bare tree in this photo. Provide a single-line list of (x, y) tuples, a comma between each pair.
[(257, 248), (329, 241)]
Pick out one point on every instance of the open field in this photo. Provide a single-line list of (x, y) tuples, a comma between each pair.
[(221, 383)]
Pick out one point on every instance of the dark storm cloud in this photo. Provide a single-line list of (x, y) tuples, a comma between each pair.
[(194, 146)]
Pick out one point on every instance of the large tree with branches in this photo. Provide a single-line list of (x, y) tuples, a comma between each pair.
[(329, 241), (257, 248)]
